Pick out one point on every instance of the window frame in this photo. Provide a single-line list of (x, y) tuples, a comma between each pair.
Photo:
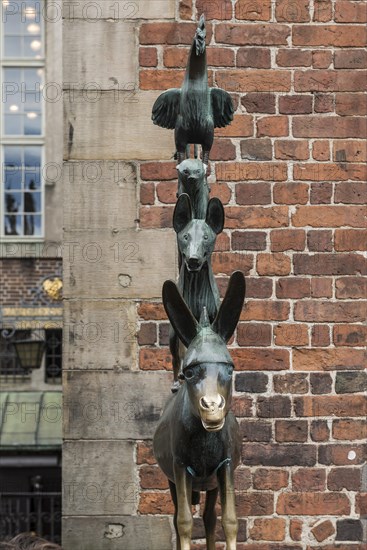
[(23, 63)]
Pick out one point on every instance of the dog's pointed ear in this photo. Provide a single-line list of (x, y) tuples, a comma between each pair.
[(183, 322), (230, 310), (182, 214), (215, 215)]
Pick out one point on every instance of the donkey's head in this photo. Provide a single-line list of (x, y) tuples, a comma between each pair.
[(200, 36), (196, 238), (207, 365)]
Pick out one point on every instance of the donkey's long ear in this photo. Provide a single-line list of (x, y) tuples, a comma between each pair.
[(230, 310), (182, 214), (182, 320), (215, 215)]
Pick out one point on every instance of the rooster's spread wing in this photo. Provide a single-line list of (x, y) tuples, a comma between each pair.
[(222, 107), (166, 108)]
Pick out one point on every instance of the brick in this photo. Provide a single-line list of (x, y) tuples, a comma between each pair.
[(313, 504), (185, 9), (148, 57), (344, 478), (252, 382), (295, 104), (255, 430), (260, 359), (253, 193), (349, 529), (361, 504), (248, 240), (278, 454), (256, 149), (220, 57), (252, 34), (155, 359), (350, 12), (273, 126), (241, 126), (273, 264), (256, 58), (321, 150), (250, 11), (160, 79), (291, 431), (222, 243), (169, 33), (164, 334), (254, 334), (350, 335), (215, 10), (319, 430), (323, 10), (327, 171), (265, 310), (291, 383), (147, 193), (277, 406), (254, 80), (155, 217), (157, 171), (145, 453), (287, 239), (328, 359), (241, 406), (350, 151), (254, 504), (331, 405), (321, 193), (324, 103), (259, 103), (351, 192), (227, 262), (291, 149), (291, 335), (322, 59), (242, 479), (254, 217), (351, 287), (147, 335), (222, 191), (156, 503), (329, 216), (290, 193), (306, 479), (320, 336), (270, 480), (152, 477), (272, 529), (295, 529), (351, 104), (152, 311), (166, 192), (292, 12), (350, 429), (294, 57), (323, 530), (319, 240), (330, 127), (340, 455), (351, 382), (321, 287), (350, 59), (293, 287), (329, 35), (259, 287), (329, 264), (223, 149), (321, 383)]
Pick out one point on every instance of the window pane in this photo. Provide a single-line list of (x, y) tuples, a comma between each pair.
[(13, 202), (13, 225), (13, 156), (13, 125), (22, 20), (13, 46), (23, 101), (32, 202), (32, 178), (32, 225), (13, 178)]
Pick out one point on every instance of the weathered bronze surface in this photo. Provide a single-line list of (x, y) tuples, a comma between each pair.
[(194, 110), (197, 441)]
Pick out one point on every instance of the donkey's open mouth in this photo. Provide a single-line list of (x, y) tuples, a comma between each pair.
[(213, 427)]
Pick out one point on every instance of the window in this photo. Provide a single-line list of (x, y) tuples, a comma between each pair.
[(53, 356), (22, 120)]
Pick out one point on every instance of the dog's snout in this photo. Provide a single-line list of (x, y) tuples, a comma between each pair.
[(193, 263)]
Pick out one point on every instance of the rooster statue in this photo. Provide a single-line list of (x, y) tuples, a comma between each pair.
[(194, 110)]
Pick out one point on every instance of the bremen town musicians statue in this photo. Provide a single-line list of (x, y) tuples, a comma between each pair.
[(197, 442)]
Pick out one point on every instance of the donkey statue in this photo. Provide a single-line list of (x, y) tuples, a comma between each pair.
[(197, 441), (196, 240)]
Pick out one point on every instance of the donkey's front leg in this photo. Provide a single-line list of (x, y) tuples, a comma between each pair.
[(227, 497), (183, 482)]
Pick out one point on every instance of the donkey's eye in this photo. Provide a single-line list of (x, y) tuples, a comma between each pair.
[(189, 373)]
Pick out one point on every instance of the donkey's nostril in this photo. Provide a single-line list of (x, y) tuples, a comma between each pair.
[(204, 404)]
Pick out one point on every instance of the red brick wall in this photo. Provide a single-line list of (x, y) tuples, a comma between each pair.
[(290, 171)]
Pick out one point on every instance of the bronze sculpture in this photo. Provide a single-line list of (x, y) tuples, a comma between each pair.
[(197, 441), (192, 180), (194, 110)]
